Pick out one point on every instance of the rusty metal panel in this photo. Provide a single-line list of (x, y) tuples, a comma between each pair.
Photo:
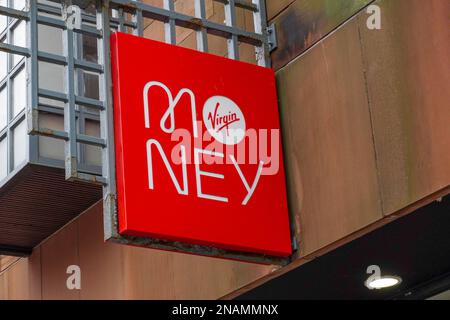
[(332, 181), (111, 271), (306, 21), (408, 77), (101, 262), (20, 278), (126, 272), (59, 252), (274, 7)]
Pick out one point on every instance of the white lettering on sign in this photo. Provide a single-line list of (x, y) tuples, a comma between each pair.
[(171, 107), (151, 142), (251, 189), (199, 173), (224, 121)]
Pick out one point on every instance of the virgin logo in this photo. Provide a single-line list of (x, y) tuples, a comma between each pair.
[(224, 120)]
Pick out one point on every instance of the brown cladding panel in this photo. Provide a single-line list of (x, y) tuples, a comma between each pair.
[(330, 155), (24, 279), (233, 275), (274, 7), (153, 274), (332, 181), (408, 78), (3, 287), (148, 274), (21, 280), (101, 263), (113, 271), (58, 253), (305, 22)]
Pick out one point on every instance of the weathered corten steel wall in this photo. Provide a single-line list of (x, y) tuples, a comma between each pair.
[(366, 121), (366, 113), (112, 271)]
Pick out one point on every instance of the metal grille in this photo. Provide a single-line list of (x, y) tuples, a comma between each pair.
[(74, 103), (201, 25)]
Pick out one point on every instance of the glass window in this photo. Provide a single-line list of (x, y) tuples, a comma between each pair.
[(3, 159), (3, 19), (19, 39), (3, 108), (51, 76), (93, 154), (19, 85), (50, 147), (19, 4), (3, 63), (20, 143), (90, 48), (50, 39), (91, 85)]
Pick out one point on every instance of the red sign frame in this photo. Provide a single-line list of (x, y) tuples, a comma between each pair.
[(180, 178)]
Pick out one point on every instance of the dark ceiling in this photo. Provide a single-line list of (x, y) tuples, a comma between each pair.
[(415, 247)]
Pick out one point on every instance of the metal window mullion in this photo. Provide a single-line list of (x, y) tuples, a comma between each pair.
[(79, 111), (17, 120), (17, 68), (244, 4), (61, 60), (107, 122), (121, 20), (202, 33), (13, 13), (230, 20), (32, 66), (9, 138), (169, 26), (71, 161), (58, 23), (58, 111), (260, 22), (138, 22)]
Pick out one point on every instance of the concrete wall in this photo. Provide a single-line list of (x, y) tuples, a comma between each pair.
[(366, 137)]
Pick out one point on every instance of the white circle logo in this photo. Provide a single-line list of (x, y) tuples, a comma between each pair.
[(224, 120)]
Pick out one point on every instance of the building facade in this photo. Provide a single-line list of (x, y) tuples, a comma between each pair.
[(364, 103)]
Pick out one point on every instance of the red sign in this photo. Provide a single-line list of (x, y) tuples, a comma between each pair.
[(198, 150)]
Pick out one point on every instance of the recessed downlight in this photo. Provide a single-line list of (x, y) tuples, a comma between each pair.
[(384, 282)]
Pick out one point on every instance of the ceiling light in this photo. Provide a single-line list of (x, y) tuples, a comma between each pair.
[(384, 282)]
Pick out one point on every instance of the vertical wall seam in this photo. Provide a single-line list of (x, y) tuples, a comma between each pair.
[(372, 127), (78, 257), (41, 273)]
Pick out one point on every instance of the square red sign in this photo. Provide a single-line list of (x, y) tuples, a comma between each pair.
[(198, 148)]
